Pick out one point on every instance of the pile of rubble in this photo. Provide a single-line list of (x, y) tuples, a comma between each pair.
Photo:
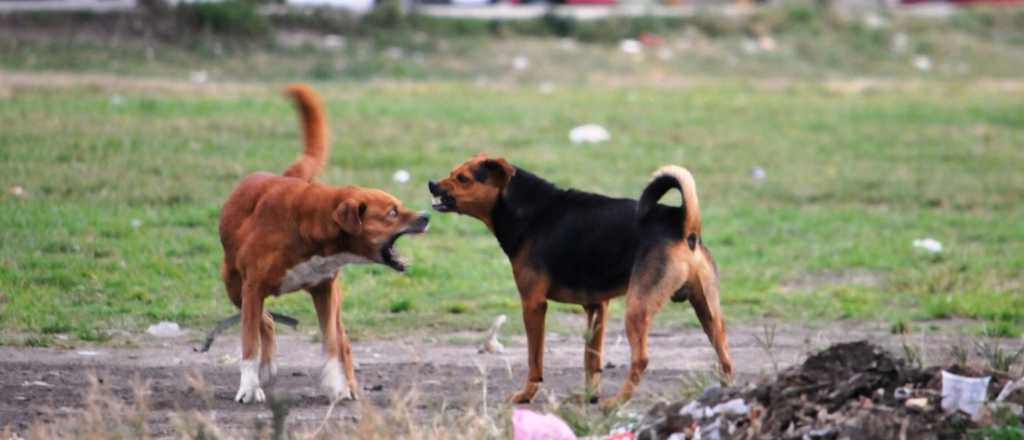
[(849, 391)]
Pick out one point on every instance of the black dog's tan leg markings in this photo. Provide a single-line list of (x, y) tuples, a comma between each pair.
[(533, 290), (704, 299), (597, 318)]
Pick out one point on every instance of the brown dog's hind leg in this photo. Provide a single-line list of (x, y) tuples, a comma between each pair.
[(597, 318), (252, 316), (327, 301), (268, 346), (704, 299)]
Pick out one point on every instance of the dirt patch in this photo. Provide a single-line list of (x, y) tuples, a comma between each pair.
[(39, 384), (814, 281)]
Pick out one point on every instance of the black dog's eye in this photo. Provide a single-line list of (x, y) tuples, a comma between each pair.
[(462, 178)]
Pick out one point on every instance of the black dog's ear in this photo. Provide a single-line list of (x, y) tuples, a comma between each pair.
[(349, 215), (498, 170)]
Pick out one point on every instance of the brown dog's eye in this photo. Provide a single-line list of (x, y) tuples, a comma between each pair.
[(462, 178)]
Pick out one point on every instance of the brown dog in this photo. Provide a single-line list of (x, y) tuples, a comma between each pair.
[(581, 248), (286, 233)]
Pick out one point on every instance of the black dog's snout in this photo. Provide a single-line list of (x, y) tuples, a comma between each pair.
[(435, 189)]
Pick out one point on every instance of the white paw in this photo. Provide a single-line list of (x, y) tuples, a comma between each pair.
[(249, 384), (332, 381)]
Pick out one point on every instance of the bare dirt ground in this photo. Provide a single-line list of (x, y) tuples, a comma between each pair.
[(39, 384)]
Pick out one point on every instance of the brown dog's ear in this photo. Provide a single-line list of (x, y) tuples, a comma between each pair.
[(349, 215), (499, 169)]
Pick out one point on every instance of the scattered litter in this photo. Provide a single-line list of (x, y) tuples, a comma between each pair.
[(394, 52), (651, 40), (919, 404), (767, 43), (852, 390), (529, 425), (333, 41), (900, 42), (923, 63), (492, 345), (116, 100), (227, 360), (666, 53), (17, 191), (589, 134), (630, 46), (750, 46), (36, 383), (962, 393), (400, 176), (136, 223), (546, 88), (1009, 389), (198, 76), (520, 63), (928, 244), (165, 329), (875, 21), (88, 353), (758, 173), (567, 44)]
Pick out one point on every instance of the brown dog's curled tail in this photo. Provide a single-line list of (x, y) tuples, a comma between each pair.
[(666, 178), (314, 129)]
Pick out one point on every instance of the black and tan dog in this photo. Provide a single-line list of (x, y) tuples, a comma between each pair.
[(582, 248)]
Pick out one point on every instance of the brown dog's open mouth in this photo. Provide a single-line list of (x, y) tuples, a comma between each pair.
[(389, 256)]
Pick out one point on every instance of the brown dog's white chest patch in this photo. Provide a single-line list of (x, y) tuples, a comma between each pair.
[(317, 270)]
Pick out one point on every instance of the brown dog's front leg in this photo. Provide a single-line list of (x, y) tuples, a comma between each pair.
[(533, 318), (252, 317), (327, 300)]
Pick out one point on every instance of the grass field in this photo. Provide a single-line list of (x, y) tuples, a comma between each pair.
[(122, 189)]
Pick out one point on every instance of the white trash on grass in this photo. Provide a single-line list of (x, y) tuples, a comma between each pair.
[(529, 425), (165, 329), (630, 46), (401, 176), (928, 244), (492, 344), (589, 134), (520, 63), (758, 173), (923, 63), (962, 393)]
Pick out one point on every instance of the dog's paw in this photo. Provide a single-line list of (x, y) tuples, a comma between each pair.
[(333, 383), (249, 384), (527, 393), (268, 371), (246, 395)]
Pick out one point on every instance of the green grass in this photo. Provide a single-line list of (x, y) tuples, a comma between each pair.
[(118, 226)]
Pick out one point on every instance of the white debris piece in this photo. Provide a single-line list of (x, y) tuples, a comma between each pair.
[(923, 63), (136, 223), (116, 100), (520, 63), (875, 21), (767, 43), (928, 244), (733, 407), (758, 173), (589, 134), (401, 176), (36, 383), (962, 393), (1009, 388), (17, 191), (492, 345), (665, 53), (88, 353), (333, 41), (900, 42), (630, 46), (198, 76), (165, 329)]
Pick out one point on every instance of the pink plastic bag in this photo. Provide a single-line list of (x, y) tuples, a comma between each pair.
[(528, 425)]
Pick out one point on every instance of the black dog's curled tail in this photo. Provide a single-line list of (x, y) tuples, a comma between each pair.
[(665, 179)]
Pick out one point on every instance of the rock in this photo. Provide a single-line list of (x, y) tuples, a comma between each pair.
[(918, 404)]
